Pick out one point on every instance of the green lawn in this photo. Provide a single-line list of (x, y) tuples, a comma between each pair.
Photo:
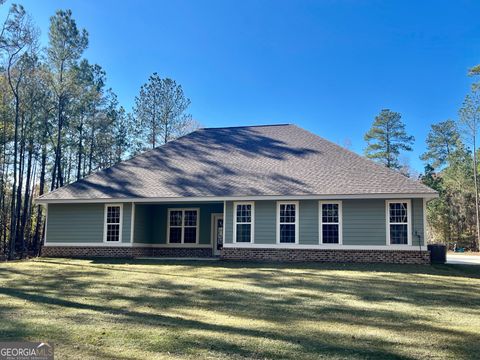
[(216, 310)]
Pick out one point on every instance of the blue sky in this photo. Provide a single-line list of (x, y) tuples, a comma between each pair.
[(328, 66)]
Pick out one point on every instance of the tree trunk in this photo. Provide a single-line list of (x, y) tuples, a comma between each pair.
[(20, 181), (13, 220), (37, 238), (26, 200), (29, 216), (475, 176), (3, 218), (57, 176), (80, 150), (90, 155)]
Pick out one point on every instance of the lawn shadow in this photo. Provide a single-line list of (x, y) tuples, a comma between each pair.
[(456, 270), (176, 296)]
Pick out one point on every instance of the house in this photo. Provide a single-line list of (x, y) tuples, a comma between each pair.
[(273, 192)]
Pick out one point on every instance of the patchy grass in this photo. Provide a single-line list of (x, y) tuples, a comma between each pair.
[(216, 310)]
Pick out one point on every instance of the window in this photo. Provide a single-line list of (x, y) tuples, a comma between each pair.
[(398, 222), (330, 222), (287, 229), (113, 223), (243, 222), (182, 226)]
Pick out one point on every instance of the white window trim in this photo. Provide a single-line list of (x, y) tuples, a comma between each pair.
[(132, 223), (409, 220), (340, 222), (424, 222), (182, 238), (297, 213), (224, 221), (46, 225), (105, 223), (252, 222)]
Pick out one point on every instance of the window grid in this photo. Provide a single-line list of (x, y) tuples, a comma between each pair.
[(113, 217), (287, 223), (243, 222), (182, 226), (330, 219), (190, 227), (398, 222)]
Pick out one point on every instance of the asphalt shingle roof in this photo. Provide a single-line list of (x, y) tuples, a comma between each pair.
[(242, 161)]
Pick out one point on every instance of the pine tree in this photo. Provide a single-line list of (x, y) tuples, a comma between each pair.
[(387, 138), (441, 141), (66, 45), (161, 109), (470, 120)]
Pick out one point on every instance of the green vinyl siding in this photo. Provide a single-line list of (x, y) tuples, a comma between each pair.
[(363, 222), (264, 226), (308, 222), (127, 225), (228, 222), (265, 222), (81, 223), (417, 220), (142, 229)]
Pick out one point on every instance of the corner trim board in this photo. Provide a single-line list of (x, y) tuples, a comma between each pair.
[(46, 225), (132, 223)]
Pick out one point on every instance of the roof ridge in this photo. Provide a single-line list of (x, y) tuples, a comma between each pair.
[(244, 126)]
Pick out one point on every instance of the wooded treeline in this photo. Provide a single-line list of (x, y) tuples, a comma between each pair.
[(451, 167), (59, 122)]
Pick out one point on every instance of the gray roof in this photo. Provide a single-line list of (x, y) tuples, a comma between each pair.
[(272, 160)]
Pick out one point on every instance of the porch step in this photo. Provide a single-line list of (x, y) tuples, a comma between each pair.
[(178, 258)]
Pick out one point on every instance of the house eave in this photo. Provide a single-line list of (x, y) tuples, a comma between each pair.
[(139, 200)]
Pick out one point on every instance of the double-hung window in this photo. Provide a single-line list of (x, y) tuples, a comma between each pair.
[(182, 226), (398, 222), (287, 222), (243, 222), (330, 222), (113, 223)]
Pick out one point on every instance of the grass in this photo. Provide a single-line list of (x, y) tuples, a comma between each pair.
[(114, 309)]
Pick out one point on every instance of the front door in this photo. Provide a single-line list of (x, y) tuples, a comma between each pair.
[(217, 233)]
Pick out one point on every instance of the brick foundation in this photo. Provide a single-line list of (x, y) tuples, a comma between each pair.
[(319, 255), (122, 252), (252, 254)]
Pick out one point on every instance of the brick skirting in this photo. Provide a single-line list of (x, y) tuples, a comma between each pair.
[(319, 255), (122, 252), (253, 254)]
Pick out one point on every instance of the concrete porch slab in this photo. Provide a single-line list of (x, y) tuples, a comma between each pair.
[(178, 258)]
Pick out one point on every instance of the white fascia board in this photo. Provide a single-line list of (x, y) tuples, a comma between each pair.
[(237, 198)]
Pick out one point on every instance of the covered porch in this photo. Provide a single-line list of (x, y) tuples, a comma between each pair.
[(193, 229)]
